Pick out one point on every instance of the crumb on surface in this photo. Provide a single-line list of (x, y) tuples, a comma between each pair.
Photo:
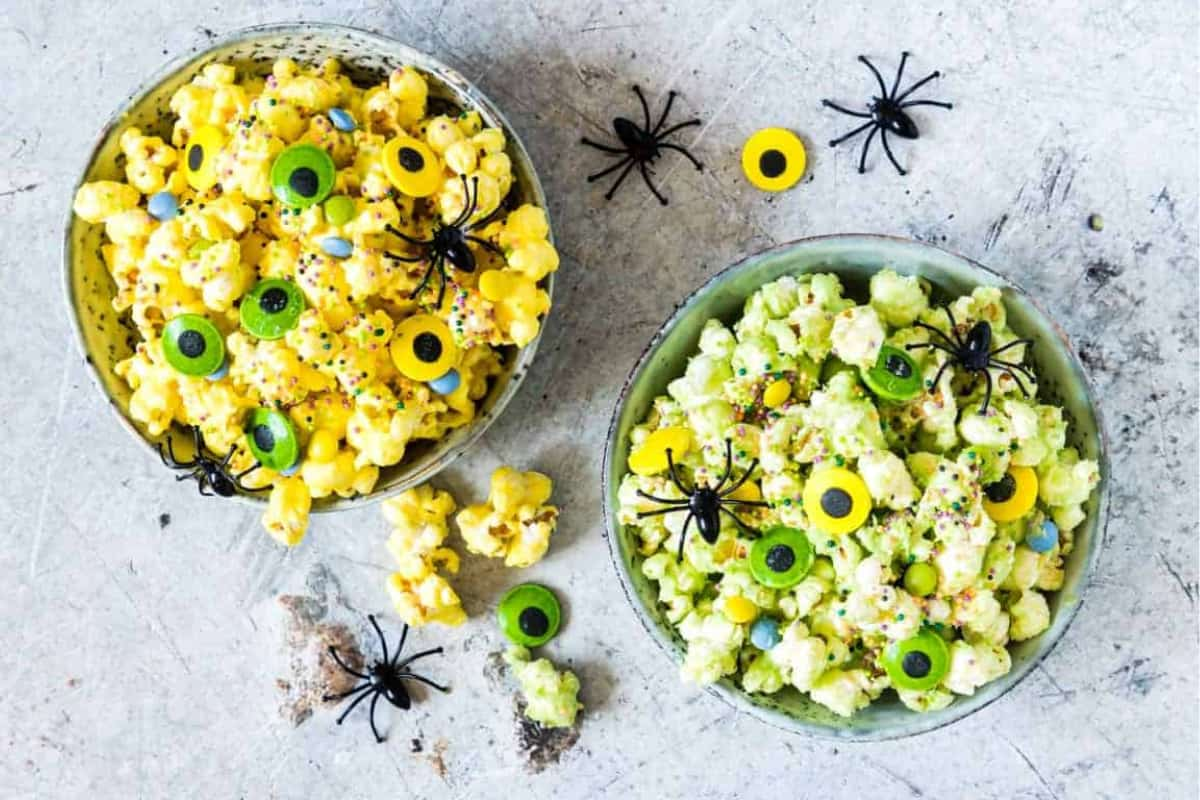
[(312, 671)]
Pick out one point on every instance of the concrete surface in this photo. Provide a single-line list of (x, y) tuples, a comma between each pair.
[(142, 634)]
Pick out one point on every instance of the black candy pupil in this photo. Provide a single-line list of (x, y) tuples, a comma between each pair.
[(273, 300), (410, 159), (916, 664), (533, 621), (191, 344), (195, 157), (303, 181), (264, 438), (897, 366), (427, 347), (836, 503), (780, 558), (772, 163), (1001, 490)]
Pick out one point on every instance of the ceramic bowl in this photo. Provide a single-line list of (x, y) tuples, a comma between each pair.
[(106, 338), (854, 258)]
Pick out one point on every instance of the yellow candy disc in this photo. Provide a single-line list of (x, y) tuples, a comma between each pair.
[(777, 394), (773, 159), (200, 157), (412, 167), (1011, 497), (836, 500), (422, 348), (740, 610), (651, 457)]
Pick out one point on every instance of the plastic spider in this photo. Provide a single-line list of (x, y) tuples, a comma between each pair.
[(449, 243), (208, 471), (886, 114), (974, 354), (704, 503), (640, 146), (385, 678)]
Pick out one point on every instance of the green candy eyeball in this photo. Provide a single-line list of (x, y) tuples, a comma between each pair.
[(272, 439), (272, 308), (781, 558), (302, 175), (895, 376), (918, 663), (193, 345), (529, 614)]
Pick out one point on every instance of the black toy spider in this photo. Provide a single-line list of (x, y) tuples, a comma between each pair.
[(386, 677), (208, 471), (704, 503), (974, 354), (449, 243), (886, 114), (640, 146)]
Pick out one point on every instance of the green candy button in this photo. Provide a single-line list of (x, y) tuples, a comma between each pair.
[(918, 663), (193, 345), (272, 308), (272, 439), (895, 375), (529, 614), (781, 558), (302, 175)]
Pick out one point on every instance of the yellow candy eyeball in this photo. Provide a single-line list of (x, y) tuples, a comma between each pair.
[(422, 348), (412, 167), (774, 159), (777, 394), (1011, 497), (200, 157), (836, 500), (650, 458)]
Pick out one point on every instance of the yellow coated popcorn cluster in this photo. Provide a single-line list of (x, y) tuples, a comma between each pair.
[(419, 529), (516, 523)]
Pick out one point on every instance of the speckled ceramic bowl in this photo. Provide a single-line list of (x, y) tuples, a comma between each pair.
[(106, 338), (855, 258)]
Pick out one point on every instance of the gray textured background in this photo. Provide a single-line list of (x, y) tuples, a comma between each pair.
[(140, 657)]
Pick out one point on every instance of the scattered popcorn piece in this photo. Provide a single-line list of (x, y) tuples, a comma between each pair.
[(515, 523)]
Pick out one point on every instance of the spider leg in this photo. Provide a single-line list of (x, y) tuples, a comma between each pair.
[(938, 377), (1000, 350), (645, 106), (174, 463), (987, 395), (357, 700), (934, 345), (441, 269), (331, 698), (237, 480), (199, 443), (674, 476), (374, 730), (945, 337), (228, 457), (690, 157), (414, 677), (407, 238), (660, 511), (333, 652), (851, 134), (755, 503), (1014, 376), (862, 160), (379, 633), (882, 86), (646, 178), (673, 128), (675, 501), (620, 179), (663, 118), (844, 110), (424, 279), (918, 85), (604, 147), (394, 257), (735, 518), (955, 336), (431, 652), (728, 465), (683, 537), (888, 149), (201, 488), (598, 175), (745, 477), (926, 103), (1024, 370), (899, 72), (486, 244)]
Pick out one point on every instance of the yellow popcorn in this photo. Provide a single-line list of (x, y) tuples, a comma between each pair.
[(338, 476), (518, 303), (147, 159), (99, 200), (515, 523), (287, 511), (219, 274), (430, 599), (420, 595)]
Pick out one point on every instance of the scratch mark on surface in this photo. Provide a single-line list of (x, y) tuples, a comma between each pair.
[(1065, 694), (592, 28), (29, 187), (994, 232), (39, 526), (1032, 767), (1187, 588), (913, 789), (1164, 199), (1162, 428)]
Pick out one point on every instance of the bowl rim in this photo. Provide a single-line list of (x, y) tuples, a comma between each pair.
[(427, 63), (737, 699)]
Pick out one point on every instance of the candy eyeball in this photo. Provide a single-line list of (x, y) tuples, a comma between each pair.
[(918, 663), (781, 558), (895, 376), (273, 441), (412, 167), (773, 159), (302, 175), (193, 346), (836, 500), (423, 350), (272, 308), (529, 614), (1013, 496), (200, 157)]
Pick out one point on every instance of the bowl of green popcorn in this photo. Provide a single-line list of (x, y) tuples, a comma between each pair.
[(855, 486)]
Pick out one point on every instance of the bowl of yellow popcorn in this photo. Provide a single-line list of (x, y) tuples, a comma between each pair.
[(308, 266)]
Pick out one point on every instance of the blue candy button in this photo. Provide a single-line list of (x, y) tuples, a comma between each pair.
[(764, 633), (337, 247), (292, 470), (1044, 538), (342, 120), (447, 383), (220, 371), (163, 206)]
